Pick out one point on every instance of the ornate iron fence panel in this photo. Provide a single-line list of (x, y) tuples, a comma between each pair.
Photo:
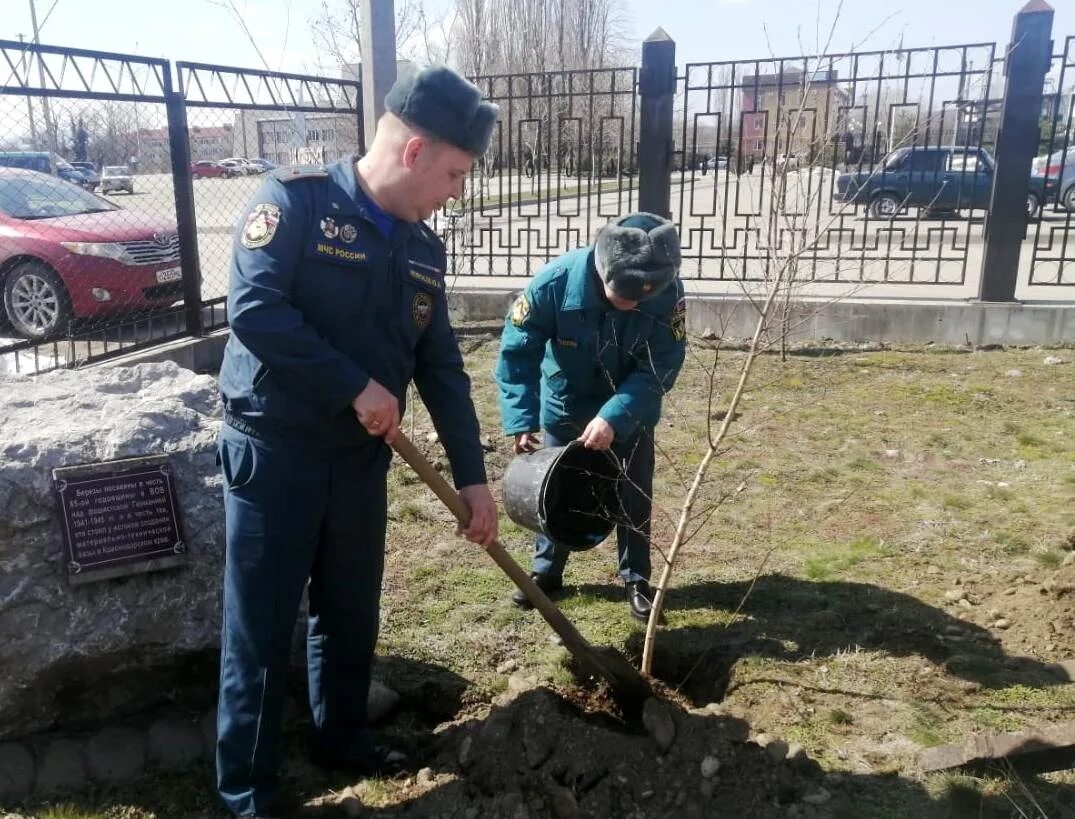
[(859, 167), (1052, 250), (562, 162)]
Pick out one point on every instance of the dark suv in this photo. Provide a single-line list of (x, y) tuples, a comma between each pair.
[(936, 179)]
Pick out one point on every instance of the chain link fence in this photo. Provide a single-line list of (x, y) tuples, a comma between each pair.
[(86, 242), (243, 124), (120, 191)]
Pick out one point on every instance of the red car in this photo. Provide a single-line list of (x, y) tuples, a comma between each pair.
[(206, 168), (66, 253)]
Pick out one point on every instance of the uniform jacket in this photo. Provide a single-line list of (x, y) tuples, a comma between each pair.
[(320, 302), (567, 355)]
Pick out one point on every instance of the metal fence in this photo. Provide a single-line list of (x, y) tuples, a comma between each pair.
[(764, 137), (1051, 260), (119, 191), (68, 255), (755, 160), (561, 163), (283, 118)]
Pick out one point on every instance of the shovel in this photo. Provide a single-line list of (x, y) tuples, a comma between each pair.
[(602, 661)]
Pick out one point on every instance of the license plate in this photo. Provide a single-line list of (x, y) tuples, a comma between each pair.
[(172, 274)]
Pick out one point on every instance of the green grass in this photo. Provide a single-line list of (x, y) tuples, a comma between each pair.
[(68, 812), (1016, 697), (1049, 559), (835, 559), (928, 726), (994, 720), (957, 503), (493, 199), (839, 643), (838, 716)]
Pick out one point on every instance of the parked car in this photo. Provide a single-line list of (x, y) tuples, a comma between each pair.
[(88, 171), (66, 253), (264, 165), (717, 163), (788, 162), (44, 162), (74, 176), (1057, 168), (116, 178), (242, 165), (937, 179), (207, 169)]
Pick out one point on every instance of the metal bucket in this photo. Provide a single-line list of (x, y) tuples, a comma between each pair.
[(567, 493)]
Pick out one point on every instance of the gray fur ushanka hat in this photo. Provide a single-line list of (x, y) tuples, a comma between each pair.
[(449, 107), (637, 255)]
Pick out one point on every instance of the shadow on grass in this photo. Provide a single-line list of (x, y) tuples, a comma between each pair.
[(791, 619)]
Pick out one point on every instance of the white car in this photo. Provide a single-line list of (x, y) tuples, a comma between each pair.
[(788, 162), (1059, 167), (242, 165), (116, 178)]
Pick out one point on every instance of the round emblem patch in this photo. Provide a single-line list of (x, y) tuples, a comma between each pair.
[(422, 310), (329, 228), (260, 226), (348, 232)]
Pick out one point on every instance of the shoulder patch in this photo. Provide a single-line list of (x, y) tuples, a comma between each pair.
[(297, 172), (520, 310), (679, 320), (260, 227)]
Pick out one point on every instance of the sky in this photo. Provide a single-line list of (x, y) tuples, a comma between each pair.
[(704, 30)]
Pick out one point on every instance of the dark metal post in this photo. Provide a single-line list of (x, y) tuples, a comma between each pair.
[(1027, 63), (186, 222), (378, 40), (657, 86)]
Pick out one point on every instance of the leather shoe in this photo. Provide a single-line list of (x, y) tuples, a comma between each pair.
[(381, 761), (546, 582), (640, 598)]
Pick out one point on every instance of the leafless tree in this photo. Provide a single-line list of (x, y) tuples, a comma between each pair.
[(538, 35), (796, 220), (337, 28)]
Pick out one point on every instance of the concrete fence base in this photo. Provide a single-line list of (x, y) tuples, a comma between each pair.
[(888, 321)]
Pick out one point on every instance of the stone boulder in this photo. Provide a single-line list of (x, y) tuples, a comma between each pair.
[(83, 653)]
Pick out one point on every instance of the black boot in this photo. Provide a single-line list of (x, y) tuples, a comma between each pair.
[(546, 582), (378, 761), (640, 598)]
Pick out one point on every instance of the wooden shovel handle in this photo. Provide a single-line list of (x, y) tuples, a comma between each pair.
[(574, 641)]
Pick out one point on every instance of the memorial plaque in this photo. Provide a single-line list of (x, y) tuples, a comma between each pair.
[(119, 518)]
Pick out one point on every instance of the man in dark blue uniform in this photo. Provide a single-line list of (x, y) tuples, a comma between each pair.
[(336, 303), (588, 352)]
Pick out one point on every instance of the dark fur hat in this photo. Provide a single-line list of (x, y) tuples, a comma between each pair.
[(439, 101), (637, 255)]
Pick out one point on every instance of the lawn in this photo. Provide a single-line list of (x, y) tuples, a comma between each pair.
[(883, 563)]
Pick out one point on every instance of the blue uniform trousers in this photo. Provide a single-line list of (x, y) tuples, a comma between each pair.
[(633, 518), (296, 514)]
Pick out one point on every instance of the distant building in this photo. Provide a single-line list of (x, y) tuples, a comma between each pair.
[(295, 138), (973, 122), (154, 153), (770, 101)]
